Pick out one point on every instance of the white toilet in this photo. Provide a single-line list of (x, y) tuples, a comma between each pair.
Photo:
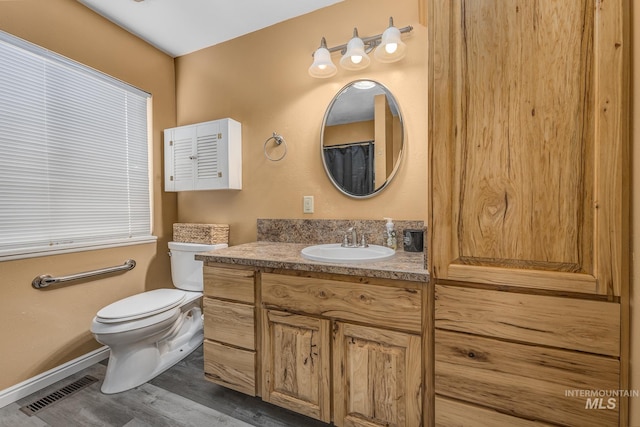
[(150, 332)]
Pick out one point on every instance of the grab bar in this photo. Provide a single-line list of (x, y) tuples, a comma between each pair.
[(46, 279)]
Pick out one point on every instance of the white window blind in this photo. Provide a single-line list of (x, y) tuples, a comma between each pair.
[(74, 167)]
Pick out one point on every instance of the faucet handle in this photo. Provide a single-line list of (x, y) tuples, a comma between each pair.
[(363, 241), (345, 241)]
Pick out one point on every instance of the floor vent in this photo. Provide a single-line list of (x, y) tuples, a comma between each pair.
[(66, 391)]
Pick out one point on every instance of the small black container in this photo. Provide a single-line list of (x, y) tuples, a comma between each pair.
[(413, 240)]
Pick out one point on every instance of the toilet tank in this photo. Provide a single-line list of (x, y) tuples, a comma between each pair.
[(186, 271)]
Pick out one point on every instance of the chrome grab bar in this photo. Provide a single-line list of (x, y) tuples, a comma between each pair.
[(46, 279)]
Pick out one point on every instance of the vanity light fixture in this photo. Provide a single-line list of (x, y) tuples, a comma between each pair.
[(322, 66), (355, 58), (388, 46), (391, 48)]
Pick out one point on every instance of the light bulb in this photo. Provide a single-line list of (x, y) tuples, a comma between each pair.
[(356, 59), (391, 47)]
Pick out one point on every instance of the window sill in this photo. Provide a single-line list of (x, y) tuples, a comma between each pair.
[(15, 254)]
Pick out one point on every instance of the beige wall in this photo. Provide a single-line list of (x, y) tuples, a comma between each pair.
[(261, 80), (43, 329)]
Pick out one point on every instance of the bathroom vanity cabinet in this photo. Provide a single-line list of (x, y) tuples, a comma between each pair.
[(230, 328), (375, 349), (333, 347)]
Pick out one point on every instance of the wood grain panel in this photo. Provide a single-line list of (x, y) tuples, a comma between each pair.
[(230, 323), (392, 307), (453, 413), (234, 284), (377, 377), (524, 381), (583, 325), (230, 367), (612, 154), (296, 363), (528, 166), (529, 130), (525, 278)]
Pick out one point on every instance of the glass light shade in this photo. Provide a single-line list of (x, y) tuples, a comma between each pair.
[(391, 47), (322, 67), (355, 58)]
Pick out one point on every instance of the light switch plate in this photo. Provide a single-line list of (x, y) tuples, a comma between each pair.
[(307, 204)]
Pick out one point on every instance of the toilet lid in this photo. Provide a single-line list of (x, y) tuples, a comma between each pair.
[(141, 305)]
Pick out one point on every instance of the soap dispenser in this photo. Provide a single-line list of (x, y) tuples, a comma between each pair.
[(390, 240)]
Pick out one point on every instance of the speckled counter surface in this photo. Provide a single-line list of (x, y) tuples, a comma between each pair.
[(402, 266)]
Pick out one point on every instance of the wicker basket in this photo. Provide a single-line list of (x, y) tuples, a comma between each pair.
[(208, 234)]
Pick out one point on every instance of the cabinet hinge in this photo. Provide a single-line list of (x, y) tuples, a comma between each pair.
[(170, 143), (171, 178), (219, 136), (219, 174)]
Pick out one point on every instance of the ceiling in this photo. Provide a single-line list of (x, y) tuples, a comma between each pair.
[(179, 27)]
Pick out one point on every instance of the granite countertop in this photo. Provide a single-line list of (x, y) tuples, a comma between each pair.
[(402, 266)]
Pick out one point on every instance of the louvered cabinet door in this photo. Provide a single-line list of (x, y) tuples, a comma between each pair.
[(178, 155), (206, 167), (527, 144)]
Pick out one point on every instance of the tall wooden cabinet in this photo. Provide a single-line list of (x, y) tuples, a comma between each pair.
[(529, 221)]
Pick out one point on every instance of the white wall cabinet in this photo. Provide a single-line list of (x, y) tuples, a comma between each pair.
[(203, 156)]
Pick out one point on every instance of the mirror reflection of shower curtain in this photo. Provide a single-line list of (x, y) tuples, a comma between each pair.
[(351, 166)]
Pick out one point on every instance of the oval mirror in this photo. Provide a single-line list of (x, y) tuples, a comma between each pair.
[(362, 138)]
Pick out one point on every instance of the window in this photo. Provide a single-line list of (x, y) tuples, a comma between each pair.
[(74, 162)]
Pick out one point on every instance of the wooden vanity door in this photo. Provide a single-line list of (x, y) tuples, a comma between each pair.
[(528, 151), (377, 377), (296, 363)]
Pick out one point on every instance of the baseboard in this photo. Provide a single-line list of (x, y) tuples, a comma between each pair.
[(45, 379)]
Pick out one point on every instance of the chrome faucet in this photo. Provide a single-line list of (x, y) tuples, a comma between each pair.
[(354, 239)]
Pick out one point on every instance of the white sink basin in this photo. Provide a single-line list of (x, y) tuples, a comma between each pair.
[(334, 252)]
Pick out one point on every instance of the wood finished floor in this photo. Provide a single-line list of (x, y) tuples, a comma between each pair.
[(178, 397)]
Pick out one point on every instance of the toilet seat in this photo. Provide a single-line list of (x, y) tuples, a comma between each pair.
[(156, 321), (140, 306)]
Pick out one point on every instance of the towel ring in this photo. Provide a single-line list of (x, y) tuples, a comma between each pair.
[(278, 139)]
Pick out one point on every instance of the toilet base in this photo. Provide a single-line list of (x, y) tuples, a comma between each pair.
[(131, 367)]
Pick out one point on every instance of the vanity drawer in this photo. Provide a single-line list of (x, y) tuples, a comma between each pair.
[(229, 322), (527, 381), (454, 413), (394, 306), (236, 284), (230, 367), (571, 323)]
